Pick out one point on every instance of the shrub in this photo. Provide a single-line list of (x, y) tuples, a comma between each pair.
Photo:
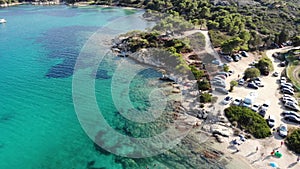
[(265, 65), (205, 98), (203, 85), (248, 120), (251, 73), (226, 68), (197, 73), (293, 141)]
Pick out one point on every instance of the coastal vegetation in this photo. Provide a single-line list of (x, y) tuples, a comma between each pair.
[(233, 25), (174, 51), (293, 141), (248, 120)]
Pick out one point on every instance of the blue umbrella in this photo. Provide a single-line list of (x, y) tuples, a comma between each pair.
[(273, 164)]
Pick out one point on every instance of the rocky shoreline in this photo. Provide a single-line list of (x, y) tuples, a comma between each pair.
[(209, 127)]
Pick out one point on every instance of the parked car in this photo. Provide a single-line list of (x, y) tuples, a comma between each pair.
[(223, 73), (226, 100), (216, 62), (221, 90), (262, 113), (266, 105), (219, 83), (287, 84), (255, 107), (230, 72), (218, 78), (237, 101), (287, 87), (259, 84), (292, 106), (252, 85), (228, 58), (289, 100), (271, 120), (256, 79), (221, 76), (275, 74), (287, 91), (282, 79), (292, 118), (283, 130), (241, 81), (287, 95), (292, 113), (235, 58), (244, 53)]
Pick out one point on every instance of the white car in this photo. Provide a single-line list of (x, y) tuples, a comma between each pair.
[(287, 88), (287, 84), (258, 83), (287, 95), (271, 121), (292, 105), (237, 101), (218, 78), (226, 100), (265, 106), (283, 130), (282, 79), (255, 107), (287, 99), (241, 82)]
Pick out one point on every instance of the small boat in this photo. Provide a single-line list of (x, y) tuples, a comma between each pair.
[(2, 21)]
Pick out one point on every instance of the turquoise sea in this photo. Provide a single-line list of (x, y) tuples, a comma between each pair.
[(38, 50), (49, 112)]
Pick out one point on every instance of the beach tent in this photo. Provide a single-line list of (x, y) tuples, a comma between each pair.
[(273, 164), (278, 154)]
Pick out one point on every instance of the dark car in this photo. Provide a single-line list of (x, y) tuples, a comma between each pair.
[(228, 58), (275, 74), (291, 113), (262, 113), (252, 85), (292, 118), (287, 91), (235, 58), (244, 53)]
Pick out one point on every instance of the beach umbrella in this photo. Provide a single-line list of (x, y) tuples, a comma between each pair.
[(273, 164)]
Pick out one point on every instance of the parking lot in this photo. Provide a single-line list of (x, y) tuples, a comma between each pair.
[(270, 92)]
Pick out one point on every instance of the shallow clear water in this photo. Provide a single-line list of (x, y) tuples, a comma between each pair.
[(38, 50)]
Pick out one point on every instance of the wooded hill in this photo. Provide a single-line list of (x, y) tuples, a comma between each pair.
[(247, 24)]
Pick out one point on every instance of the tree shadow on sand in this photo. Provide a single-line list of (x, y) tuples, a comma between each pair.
[(250, 154), (292, 165), (267, 157)]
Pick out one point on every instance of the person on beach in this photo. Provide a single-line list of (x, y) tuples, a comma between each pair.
[(298, 159), (256, 149), (281, 143), (272, 153)]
